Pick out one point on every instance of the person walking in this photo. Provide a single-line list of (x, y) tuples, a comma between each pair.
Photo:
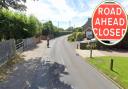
[(47, 42)]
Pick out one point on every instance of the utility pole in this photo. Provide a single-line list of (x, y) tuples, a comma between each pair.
[(69, 23), (58, 24), (74, 25)]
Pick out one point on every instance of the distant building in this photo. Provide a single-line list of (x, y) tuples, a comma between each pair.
[(88, 29)]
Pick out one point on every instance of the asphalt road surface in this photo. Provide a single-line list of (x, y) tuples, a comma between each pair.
[(61, 68)]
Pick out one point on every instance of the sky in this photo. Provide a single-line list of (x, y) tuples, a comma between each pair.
[(65, 13)]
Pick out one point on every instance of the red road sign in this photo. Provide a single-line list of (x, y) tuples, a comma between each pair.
[(109, 23)]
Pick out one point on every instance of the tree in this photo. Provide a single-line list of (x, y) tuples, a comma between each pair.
[(15, 4), (78, 29), (17, 25), (70, 29), (48, 28)]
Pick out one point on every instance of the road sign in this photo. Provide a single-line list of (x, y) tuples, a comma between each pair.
[(109, 23)]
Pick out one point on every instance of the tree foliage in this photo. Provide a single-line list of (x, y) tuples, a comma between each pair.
[(47, 28), (50, 29), (17, 25), (15, 4), (78, 29), (76, 36), (70, 29)]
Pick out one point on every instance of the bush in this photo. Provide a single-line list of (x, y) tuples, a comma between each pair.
[(71, 38), (18, 25), (79, 36), (76, 36)]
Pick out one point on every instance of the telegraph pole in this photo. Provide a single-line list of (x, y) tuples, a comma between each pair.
[(69, 23), (58, 24)]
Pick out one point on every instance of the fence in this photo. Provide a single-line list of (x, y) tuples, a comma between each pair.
[(26, 44), (29, 43), (20, 47), (7, 50)]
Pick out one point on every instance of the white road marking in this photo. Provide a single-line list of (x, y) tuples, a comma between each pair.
[(62, 60)]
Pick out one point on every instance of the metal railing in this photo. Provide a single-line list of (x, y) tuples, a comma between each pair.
[(20, 47)]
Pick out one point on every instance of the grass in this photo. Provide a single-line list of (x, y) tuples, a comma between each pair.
[(120, 69), (7, 68)]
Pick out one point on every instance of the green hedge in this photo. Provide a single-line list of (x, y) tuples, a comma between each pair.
[(76, 36), (18, 25)]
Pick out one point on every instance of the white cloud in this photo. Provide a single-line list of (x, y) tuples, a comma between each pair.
[(56, 11), (125, 5), (40, 10), (59, 10), (43, 10)]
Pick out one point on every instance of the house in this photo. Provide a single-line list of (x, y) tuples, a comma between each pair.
[(87, 27)]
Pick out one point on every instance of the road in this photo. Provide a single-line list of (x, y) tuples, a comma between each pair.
[(60, 68)]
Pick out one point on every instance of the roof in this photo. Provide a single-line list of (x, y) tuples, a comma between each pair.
[(87, 24)]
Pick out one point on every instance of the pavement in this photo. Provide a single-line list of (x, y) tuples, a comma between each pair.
[(99, 53), (37, 52), (86, 53), (56, 67)]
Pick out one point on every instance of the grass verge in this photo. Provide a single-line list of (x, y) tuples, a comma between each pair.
[(7, 68), (120, 68)]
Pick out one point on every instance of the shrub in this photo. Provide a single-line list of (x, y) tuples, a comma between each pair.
[(76, 36), (17, 25), (79, 36), (71, 38)]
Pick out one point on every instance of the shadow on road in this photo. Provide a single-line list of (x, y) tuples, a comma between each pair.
[(37, 74)]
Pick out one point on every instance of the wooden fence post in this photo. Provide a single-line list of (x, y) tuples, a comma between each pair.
[(111, 64)]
